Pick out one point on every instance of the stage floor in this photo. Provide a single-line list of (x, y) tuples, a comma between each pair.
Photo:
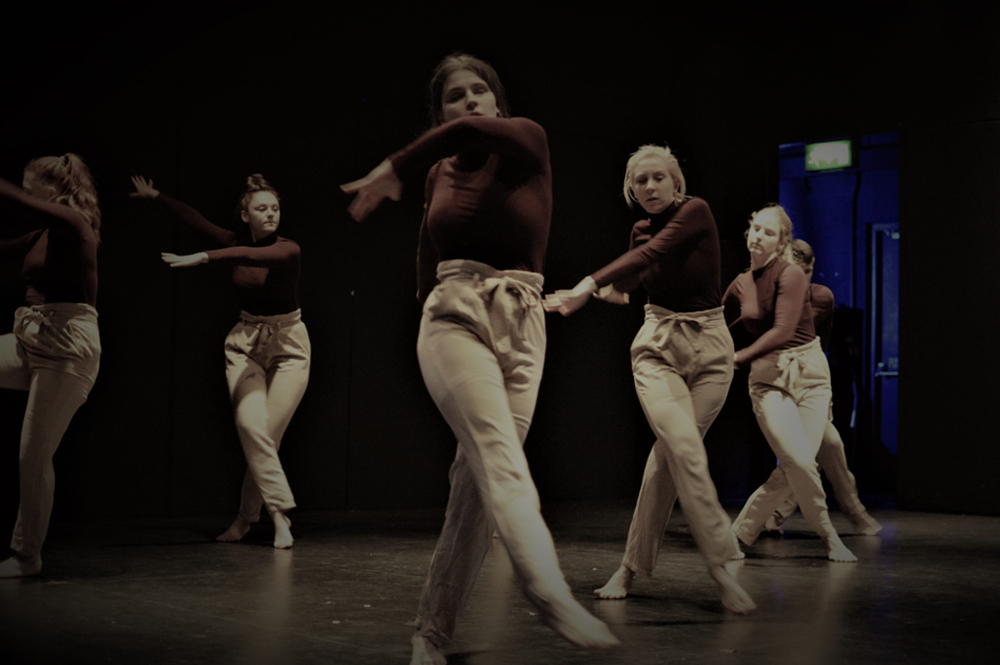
[(926, 590)]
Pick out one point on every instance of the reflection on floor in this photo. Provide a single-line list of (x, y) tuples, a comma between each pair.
[(926, 590)]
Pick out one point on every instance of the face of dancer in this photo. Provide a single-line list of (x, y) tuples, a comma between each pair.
[(653, 185), (466, 94), (263, 214), (807, 268), (33, 186), (763, 237)]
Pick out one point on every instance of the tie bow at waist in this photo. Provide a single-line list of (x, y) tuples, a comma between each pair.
[(791, 364), (261, 336), (677, 324), (508, 302), (494, 307), (266, 328)]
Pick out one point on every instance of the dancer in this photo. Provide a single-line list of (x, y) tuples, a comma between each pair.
[(54, 351), (789, 377), (481, 344), (831, 458), (682, 361), (267, 352)]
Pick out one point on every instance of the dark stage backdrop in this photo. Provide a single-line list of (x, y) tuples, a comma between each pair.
[(312, 97)]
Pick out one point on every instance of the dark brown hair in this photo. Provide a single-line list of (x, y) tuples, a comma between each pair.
[(802, 252)]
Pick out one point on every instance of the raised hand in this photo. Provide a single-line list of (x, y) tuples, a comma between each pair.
[(185, 261), (143, 188), (567, 301), (380, 184)]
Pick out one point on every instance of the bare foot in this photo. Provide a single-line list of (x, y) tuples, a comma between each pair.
[(745, 538), (618, 586), (578, 626), (734, 598), (866, 524), (424, 652), (837, 551), (282, 531), (772, 526), (235, 532), (14, 567)]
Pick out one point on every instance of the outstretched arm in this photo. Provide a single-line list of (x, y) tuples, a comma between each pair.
[(691, 222), (144, 190), (519, 138), (567, 301), (55, 214), (381, 183), (185, 260), (284, 252)]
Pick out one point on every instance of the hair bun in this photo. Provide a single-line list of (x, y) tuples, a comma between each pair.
[(257, 183)]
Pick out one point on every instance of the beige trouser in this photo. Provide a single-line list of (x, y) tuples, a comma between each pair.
[(54, 353), (481, 349), (832, 460), (267, 368), (790, 391), (682, 365)]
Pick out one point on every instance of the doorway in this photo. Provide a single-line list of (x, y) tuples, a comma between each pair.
[(850, 216)]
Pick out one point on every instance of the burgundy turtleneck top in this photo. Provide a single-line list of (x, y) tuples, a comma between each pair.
[(675, 255), (266, 272)]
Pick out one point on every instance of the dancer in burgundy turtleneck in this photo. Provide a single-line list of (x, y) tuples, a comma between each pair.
[(682, 362), (831, 458), (789, 378), (481, 345), (54, 350), (267, 352)]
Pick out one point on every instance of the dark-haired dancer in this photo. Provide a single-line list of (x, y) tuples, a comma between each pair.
[(789, 378), (682, 361), (54, 351), (831, 457), (482, 339), (267, 352)]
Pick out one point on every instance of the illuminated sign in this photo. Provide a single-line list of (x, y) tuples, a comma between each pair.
[(828, 155)]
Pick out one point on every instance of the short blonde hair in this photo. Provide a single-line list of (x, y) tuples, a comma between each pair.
[(673, 168)]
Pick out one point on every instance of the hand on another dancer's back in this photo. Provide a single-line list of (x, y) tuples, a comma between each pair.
[(380, 184)]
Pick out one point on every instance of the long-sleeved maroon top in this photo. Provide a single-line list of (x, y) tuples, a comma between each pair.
[(59, 261), (488, 197), (266, 273), (772, 304), (822, 302), (675, 255)]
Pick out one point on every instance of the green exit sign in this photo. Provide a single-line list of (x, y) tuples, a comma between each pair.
[(828, 155)]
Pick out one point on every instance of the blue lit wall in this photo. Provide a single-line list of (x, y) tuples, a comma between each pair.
[(831, 211)]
